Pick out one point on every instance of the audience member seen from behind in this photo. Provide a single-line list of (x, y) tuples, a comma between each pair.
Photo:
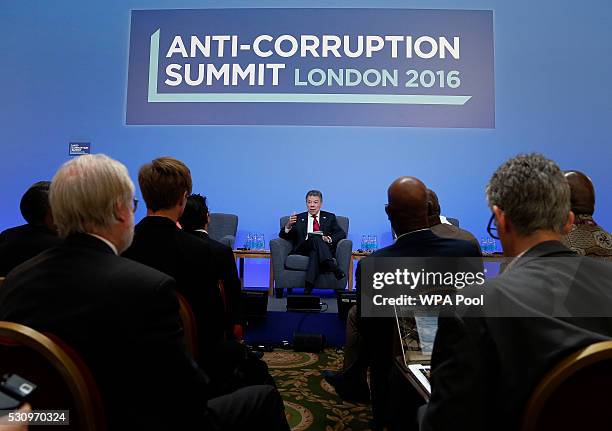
[(195, 221), (119, 315), (485, 368), (586, 237), (370, 341), (319, 248), (23, 242), (165, 184), (445, 230), (159, 243)]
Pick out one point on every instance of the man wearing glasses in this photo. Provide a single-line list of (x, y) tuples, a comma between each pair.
[(548, 303)]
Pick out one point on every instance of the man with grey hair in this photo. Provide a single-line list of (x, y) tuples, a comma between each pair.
[(119, 315), (548, 303)]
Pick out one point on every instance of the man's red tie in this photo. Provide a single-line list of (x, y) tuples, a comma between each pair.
[(315, 224)]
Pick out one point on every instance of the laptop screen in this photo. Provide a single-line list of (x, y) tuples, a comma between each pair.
[(417, 335)]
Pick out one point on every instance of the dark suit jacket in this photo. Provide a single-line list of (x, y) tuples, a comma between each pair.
[(225, 263), (160, 244), (328, 224), (122, 318), (21, 243), (485, 368), (379, 333), (445, 230)]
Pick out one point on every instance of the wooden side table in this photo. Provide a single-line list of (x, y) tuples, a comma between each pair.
[(240, 255), (356, 255)]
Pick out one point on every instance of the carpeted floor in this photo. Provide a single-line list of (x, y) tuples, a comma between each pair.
[(310, 402)]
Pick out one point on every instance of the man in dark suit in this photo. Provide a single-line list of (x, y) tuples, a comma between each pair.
[(445, 230), (159, 243), (119, 315), (315, 234), (21, 243), (370, 340), (195, 221), (545, 305)]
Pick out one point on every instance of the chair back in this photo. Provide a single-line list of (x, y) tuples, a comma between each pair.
[(190, 329), (575, 394), (63, 380), (343, 222), (223, 227)]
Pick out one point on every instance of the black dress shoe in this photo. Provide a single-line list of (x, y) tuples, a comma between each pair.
[(348, 391)]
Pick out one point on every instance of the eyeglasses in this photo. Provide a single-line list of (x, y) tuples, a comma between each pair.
[(135, 203), (491, 228)]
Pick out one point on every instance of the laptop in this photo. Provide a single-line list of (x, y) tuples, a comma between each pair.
[(417, 335)]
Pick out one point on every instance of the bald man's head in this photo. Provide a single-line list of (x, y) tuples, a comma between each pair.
[(407, 207), (582, 192)]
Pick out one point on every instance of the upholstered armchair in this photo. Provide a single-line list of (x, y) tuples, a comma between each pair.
[(223, 228)]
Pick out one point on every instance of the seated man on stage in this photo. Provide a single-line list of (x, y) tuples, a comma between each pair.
[(315, 234)]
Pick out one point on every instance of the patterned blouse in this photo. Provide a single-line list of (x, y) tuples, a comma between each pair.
[(588, 239)]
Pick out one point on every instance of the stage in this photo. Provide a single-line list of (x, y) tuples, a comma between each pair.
[(280, 324)]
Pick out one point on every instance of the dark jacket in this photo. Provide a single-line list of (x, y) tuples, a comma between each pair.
[(485, 368), (122, 318), (445, 230), (225, 263), (21, 243), (328, 224), (160, 244)]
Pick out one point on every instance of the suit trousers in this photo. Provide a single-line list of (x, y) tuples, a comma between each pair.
[(354, 348), (319, 253)]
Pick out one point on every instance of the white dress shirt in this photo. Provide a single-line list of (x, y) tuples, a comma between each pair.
[(444, 220), (311, 222)]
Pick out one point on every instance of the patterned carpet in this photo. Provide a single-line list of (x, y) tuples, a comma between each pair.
[(310, 402)]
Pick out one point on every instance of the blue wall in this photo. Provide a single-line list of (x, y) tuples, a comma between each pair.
[(63, 79)]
